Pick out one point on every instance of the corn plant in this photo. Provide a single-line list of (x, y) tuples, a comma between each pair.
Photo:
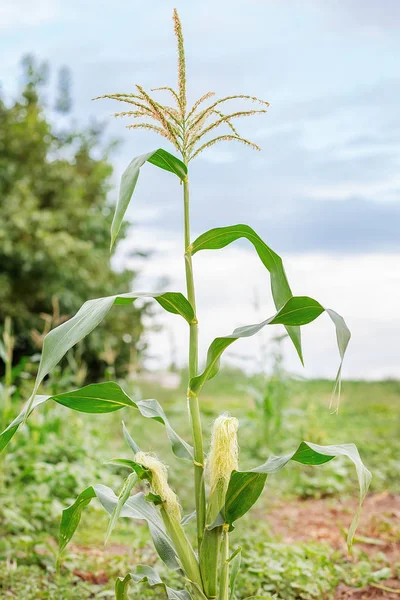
[(222, 492)]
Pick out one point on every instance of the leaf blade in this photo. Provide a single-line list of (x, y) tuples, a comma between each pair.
[(106, 397), (61, 339), (245, 487), (298, 311), (221, 237), (146, 574), (160, 158), (135, 507)]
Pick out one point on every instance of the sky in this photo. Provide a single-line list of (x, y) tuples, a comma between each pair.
[(324, 192)]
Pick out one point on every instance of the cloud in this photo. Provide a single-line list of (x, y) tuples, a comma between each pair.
[(366, 14), (20, 13)]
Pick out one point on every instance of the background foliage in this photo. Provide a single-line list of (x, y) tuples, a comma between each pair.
[(54, 224)]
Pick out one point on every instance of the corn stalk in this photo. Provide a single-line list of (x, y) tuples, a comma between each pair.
[(208, 569)]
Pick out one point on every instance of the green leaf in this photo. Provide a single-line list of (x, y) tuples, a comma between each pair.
[(138, 508), (104, 398), (281, 292), (65, 336), (96, 398), (146, 574), (234, 561), (131, 443), (123, 496), (160, 158), (151, 409), (245, 487), (135, 507), (61, 339), (299, 310), (71, 517)]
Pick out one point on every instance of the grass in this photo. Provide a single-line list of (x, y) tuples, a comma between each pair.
[(61, 453)]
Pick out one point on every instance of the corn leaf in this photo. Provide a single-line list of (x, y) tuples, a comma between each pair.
[(65, 336), (160, 158), (104, 398), (71, 517), (123, 496), (220, 237), (135, 507), (245, 487), (146, 574), (151, 409), (129, 440), (61, 339), (299, 310)]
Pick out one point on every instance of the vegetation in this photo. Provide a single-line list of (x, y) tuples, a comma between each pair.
[(57, 456), (54, 226), (210, 566)]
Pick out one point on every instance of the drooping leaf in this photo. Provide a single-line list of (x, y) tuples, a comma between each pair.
[(221, 237), (131, 443), (146, 574), (299, 310), (123, 496), (61, 339), (343, 336), (71, 517), (245, 487), (104, 398), (151, 409), (138, 508), (160, 158), (135, 507)]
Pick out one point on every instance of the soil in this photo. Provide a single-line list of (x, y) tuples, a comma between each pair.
[(327, 521)]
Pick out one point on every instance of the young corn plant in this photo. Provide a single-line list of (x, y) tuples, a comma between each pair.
[(223, 493)]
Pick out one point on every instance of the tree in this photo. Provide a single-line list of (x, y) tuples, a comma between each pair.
[(54, 226)]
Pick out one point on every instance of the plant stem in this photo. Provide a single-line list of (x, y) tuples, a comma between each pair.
[(224, 580), (193, 366)]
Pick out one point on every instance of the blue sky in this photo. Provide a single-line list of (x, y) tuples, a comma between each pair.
[(325, 190)]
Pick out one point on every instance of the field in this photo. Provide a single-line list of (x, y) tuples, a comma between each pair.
[(294, 544)]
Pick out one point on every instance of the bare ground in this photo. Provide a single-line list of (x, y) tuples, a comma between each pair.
[(327, 521)]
